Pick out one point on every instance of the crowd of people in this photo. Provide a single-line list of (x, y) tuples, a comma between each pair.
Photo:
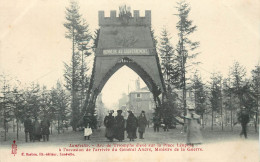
[(36, 130), (116, 126)]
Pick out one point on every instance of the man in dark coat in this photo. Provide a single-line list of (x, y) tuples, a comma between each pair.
[(167, 123), (36, 130), (131, 126), (109, 122), (88, 123), (142, 122), (28, 128), (119, 126), (45, 125), (243, 118), (156, 123)]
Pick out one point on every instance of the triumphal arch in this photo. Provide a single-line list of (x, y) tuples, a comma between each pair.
[(125, 40)]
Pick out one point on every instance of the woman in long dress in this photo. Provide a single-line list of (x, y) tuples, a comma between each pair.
[(119, 126), (109, 123), (131, 126), (193, 127)]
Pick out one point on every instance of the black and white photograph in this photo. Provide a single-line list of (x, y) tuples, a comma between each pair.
[(129, 80)]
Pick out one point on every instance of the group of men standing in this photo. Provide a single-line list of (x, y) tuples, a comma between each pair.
[(36, 130), (116, 126)]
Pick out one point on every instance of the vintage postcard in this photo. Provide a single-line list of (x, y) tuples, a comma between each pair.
[(120, 80)]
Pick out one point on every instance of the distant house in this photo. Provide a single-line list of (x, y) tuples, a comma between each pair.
[(141, 99), (190, 98)]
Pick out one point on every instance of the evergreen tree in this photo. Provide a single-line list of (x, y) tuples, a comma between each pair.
[(199, 94), (166, 54), (60, 102), (45, 102), (238, 74), (185, 47), (75, 72), (95, 39), (255, 89), (16, 102), (47, 109), (32, 97), (5, 105), (157, 111), (230, 102), (215, 95), (170, 73)]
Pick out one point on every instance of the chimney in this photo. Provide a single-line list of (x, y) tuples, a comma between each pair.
[(137, 84)]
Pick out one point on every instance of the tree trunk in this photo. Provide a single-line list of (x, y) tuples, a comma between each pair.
[(202, 118), (73, 91), (13, 126), (17, 128), (184, 93), (222, 125), (221, 104), (58, 126), (231, 112), (206, 120), (256, 118), (212, 119), (51, 127), (256, 114), (82, 80), (5, 123), (231, 119), (62, 126), (226, 117)]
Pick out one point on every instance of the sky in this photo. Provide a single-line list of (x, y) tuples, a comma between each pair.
[(33, 47)]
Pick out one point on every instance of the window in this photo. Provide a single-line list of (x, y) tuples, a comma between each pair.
[(138, 95)]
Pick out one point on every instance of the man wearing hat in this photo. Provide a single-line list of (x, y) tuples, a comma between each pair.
[(45, 125), (156, 123), (193, 128), (142, 122), (36, 130), (109, 123), (243, 118), (119, 126)]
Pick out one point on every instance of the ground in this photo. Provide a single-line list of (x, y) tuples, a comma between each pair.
[(173, 136), (217, 145)]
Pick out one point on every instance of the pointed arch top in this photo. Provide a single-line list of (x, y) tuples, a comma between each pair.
[(125, 61)]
